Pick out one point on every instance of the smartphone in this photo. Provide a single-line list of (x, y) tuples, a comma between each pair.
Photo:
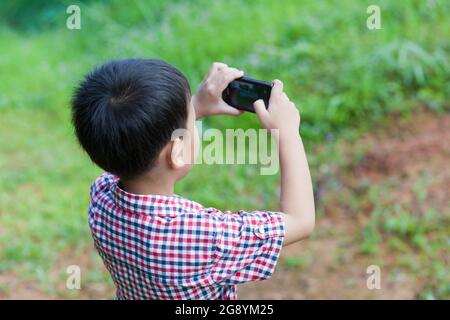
[(243, 92)]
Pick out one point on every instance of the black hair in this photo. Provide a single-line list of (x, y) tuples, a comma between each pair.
[(124, 113)]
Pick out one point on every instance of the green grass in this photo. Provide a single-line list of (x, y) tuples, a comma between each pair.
[(344, 78), (416, 232)]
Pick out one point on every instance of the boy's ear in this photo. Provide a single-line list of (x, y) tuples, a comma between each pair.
[(176, 154)]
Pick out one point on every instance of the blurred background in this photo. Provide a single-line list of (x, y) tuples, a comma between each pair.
[(375, 121)]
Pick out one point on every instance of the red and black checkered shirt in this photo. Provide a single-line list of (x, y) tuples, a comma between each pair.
[(168, 247)]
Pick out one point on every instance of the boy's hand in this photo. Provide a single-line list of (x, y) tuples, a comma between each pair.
[(281, 113), (208, 99)]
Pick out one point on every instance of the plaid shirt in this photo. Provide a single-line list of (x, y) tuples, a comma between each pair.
[(168, 247)]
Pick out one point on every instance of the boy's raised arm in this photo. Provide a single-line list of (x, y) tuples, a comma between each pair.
[(296, 196)]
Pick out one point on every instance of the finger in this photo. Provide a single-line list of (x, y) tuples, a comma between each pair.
[(223, 80), (215, 66), (237, 112), (261, 111), (277, 88), (219, 66), (232, 111), (234, 73), (231, 75), (225, 108)]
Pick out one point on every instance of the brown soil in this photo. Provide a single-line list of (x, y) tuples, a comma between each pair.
[(330, 264), (11, 287)]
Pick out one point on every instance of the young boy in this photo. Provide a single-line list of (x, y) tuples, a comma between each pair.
[(156, 244)]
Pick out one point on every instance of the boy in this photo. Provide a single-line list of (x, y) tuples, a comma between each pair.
[(158, 245)]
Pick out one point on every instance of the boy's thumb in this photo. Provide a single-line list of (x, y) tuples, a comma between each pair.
[(261, 111)]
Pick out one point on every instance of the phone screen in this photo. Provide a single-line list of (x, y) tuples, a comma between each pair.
[(242, 93)]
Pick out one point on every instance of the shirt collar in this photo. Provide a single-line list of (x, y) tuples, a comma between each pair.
[(161, 205)]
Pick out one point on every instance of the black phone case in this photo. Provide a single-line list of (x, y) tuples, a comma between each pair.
[(227, 98)]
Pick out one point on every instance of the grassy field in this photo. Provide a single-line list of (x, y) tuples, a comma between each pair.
[(346, 79)]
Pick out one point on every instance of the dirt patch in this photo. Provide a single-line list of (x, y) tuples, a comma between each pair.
[(11, 287), (99, 287), (406, 147)]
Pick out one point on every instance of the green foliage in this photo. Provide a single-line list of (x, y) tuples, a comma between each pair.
[(296, 262)]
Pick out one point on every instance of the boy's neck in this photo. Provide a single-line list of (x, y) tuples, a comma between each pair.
[(149, 184)]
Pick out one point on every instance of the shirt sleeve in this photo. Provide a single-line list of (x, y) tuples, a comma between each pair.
[(247, 245)]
